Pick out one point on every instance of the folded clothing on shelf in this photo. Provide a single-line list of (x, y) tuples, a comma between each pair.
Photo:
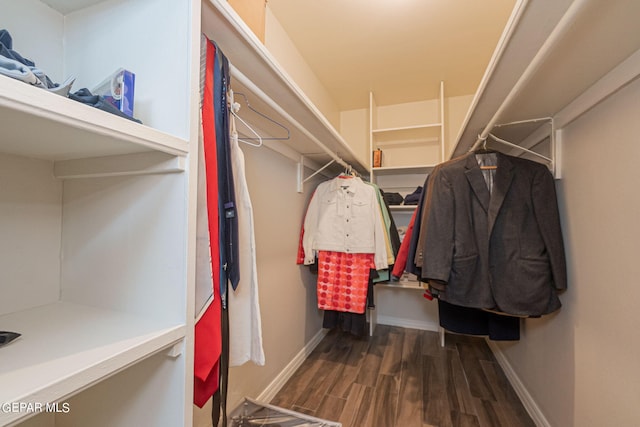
[(392, 198), (85, 96), (413, 198), (14, 65)]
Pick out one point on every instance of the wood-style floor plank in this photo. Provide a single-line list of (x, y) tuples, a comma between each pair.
[(357, 403), (372, 359), (404, 378), (460, 398), (471, 359), (352, 364), (410, 396), (330, 408), (436, 409), (385, 401)]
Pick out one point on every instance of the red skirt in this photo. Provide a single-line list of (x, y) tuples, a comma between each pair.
[(343, 279)]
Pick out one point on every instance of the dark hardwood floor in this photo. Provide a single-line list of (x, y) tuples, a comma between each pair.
[(403, 378)]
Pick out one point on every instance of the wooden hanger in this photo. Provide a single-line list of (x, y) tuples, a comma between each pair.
[(485, 150)]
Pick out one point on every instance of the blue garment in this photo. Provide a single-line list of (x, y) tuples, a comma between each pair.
[(14, 65), (473, 321), (6, 49), (230, 271), (85, 96)]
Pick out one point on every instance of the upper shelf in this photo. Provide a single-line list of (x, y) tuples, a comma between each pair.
[(420, 134), (39, 124), (311, 132), (403, 170), (550, 55)]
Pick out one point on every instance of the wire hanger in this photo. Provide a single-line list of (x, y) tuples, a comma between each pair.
[(349, 172), (483, 149), (284, 138), (233, 108)]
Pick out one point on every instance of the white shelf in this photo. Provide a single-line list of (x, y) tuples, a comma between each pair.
[(407, 136), (552, 56), (39, 124), (403, 208), (403, 170), (408, 128), (405, 284), (65, 348)]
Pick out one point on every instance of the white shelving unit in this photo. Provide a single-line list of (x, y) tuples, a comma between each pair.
[(95, 218), (394, 130), (406, 136), (411, 137)]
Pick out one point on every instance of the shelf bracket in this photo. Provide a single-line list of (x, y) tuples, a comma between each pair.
[(301, 179), (145, 163), (175, 350)]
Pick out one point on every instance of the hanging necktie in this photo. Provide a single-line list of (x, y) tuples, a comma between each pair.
[(227, 198), (212, 330), (208, 329)]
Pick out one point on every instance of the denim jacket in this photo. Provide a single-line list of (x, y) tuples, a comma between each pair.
[(343, 216)]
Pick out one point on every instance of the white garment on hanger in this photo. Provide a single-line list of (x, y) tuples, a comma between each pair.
[(245, 325), (344, 216)]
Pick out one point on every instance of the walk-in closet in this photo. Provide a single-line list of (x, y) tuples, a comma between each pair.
[(251, 238)]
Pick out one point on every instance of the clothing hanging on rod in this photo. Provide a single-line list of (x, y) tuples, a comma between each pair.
[(501, 248), (245, 341), (211, 329), (345, 234), (486, 291)]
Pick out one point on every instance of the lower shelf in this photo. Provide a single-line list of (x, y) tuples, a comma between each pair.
[(67, 347), (404, 284)]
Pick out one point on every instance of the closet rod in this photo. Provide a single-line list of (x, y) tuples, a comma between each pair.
[(520, 122), (560, 30), (245, 81)]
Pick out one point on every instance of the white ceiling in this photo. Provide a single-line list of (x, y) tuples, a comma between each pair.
[(399, 49)]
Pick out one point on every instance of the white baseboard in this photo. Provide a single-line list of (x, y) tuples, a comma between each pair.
[(281, 379), (527, 400), (407, 323)]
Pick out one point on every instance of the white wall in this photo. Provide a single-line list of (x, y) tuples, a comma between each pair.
[(354, 128), (581, 365), (279, 44), (455, 110), (30, 230), (46, 52)]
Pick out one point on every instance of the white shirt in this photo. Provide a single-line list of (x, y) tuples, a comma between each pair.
[(343, 216), (245, 324)]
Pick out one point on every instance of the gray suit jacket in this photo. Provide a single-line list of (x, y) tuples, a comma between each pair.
[(501, 250)]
